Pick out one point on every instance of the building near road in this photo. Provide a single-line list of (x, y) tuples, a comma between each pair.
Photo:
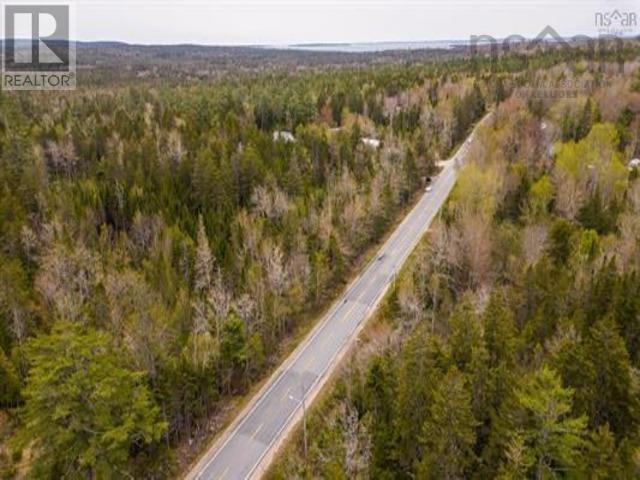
[(284, 136), (371, 142)]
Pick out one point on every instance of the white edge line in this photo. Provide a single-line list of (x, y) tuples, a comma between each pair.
[(278, 374)]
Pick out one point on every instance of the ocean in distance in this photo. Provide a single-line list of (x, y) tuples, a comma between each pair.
[(366, 47)]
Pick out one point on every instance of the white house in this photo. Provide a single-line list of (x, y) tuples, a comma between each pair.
[(284, 136), (635, 163), (371, 142)]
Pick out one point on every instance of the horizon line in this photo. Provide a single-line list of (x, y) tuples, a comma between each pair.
[(306, 43)]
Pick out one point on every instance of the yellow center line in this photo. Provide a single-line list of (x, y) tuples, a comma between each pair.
[(355, 303), (310, 361), (224, 474), (253, 435), (286, 394)]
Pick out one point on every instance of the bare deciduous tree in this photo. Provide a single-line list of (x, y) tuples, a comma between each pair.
[(175, 149), (204, 260), (61, 157), (251, 234), (408, 299), (139, 318), (353, 224), (357, 444), (144, 232), (66, 279), (274, 265), (569, 194), (245, 306), (475, 238), (534, 239), (626, 246), (270, 202), (277, 276), (219, 298)]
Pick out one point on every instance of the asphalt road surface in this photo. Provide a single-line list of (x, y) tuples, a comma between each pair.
[(243, 451)]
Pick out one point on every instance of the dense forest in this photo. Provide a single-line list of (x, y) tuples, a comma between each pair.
[(170, 239), (510, 346), (161, 243), (114, 62)]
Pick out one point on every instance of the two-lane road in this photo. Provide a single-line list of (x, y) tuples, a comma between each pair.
[(245, 450)]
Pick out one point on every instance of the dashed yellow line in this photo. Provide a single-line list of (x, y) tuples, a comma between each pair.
[(310, 361), (346, 315), (257, 430), (286, 394), (224, 473)]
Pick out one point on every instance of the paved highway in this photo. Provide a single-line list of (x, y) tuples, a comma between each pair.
[(245, 450)]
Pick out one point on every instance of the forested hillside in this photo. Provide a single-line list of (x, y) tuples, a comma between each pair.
[(510, 347), (162, 242)]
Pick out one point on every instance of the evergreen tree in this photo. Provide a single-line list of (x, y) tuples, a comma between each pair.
[(612, 396), (9, 383), (378, 401), (233, 347), (421, 359), (539, 425), (449, 432), (500, 333), (84, 412), (601, 460), (561, 237), (466, 336)]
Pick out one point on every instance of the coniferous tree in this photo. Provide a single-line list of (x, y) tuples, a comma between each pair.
[(539, 425), (449, 431), (84, 410)]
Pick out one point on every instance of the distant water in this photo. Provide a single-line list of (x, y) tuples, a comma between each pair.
[(374, 47)]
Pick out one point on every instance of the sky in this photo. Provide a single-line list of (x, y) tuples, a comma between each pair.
[(267, 22)]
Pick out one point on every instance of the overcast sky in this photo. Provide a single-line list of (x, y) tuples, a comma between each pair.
[(224, 22)]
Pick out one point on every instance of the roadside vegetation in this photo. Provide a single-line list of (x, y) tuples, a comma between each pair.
[(160, 243), (510, 346), (171, 239)]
